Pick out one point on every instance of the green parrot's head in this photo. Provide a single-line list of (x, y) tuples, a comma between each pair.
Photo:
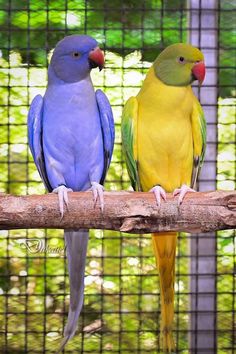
[(179, 65)]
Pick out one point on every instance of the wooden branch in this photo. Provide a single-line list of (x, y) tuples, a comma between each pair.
[(124, 211)]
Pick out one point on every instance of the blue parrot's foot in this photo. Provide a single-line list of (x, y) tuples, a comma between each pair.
[(182, 191), (98, 190), (159, 193), (62, 192)]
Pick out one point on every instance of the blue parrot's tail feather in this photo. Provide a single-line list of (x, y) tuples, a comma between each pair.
[(76, 249), (62, 345)]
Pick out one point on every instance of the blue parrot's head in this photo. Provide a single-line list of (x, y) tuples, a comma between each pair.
[(74, 57)]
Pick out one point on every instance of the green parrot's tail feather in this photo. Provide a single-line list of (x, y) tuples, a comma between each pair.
[(164, 245)]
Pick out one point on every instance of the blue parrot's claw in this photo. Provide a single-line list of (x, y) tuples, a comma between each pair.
[(159, 193), (62, 192), (98, 190), (182, 191)]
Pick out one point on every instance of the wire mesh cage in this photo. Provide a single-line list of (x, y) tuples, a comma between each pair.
[(122, 299)]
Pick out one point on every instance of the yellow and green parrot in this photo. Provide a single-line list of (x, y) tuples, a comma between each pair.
[(164, 140)]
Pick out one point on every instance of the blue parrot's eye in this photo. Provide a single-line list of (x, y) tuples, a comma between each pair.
[(76, 54), (181, 59)]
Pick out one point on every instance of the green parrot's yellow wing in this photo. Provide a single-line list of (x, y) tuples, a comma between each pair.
[(129, 139), (199, 140)]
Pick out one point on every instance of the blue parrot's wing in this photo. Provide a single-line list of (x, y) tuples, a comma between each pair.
[(108, 129), (35, 137)]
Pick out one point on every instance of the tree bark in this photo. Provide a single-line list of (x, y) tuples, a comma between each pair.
[(124, 211)]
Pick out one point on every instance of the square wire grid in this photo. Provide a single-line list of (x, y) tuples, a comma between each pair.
[(122, 306)]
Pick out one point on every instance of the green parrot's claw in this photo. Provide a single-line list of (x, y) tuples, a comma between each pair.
[(182, 191), (159, 193)]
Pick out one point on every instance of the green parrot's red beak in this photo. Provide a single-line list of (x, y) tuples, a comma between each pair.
[(199, 71), (96, 58)]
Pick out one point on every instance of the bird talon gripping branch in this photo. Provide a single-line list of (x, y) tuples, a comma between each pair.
[(98, 190), (182, 191), (159, 193), (62, 192)]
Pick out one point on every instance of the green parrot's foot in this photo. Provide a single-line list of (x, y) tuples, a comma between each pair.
[(62, 192), (159, 193), (98, 190), (182, 191)]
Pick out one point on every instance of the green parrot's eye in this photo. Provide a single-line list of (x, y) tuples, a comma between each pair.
[(181, 59), (76, 54)]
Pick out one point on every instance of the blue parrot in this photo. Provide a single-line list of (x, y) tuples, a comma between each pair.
[(71, 137)]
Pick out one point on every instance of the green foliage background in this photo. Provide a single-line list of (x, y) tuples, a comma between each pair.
[(121, 311)]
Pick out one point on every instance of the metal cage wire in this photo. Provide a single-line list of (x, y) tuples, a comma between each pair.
[(122, 300)]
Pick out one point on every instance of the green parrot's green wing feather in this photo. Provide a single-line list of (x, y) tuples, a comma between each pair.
[(199, 140), (129, 140)]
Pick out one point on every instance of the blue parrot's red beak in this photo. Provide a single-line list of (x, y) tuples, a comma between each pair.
[(199, 71), (96, 58)]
